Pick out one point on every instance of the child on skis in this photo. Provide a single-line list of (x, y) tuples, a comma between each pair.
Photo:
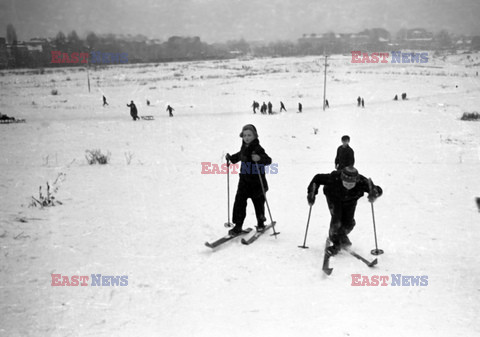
[(342, 189), (254, 159)]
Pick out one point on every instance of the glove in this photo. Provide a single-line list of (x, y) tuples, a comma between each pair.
[(228, 157), (310, 199), (375, 192)]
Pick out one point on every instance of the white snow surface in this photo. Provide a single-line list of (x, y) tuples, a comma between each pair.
[(149, 219)]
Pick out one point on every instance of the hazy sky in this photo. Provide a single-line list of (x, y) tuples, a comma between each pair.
[(221, 20)]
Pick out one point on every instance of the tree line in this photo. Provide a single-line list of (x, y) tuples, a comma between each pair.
[(38, 52)]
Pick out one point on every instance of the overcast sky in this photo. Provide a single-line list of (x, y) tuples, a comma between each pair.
[(221, 20)]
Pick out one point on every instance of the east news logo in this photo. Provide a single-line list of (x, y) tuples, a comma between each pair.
[(98, 280), (398, 280)]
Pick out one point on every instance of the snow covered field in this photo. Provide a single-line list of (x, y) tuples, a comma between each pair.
[(149, 219)]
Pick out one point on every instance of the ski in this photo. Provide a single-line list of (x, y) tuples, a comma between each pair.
[(326, 259), (226, 238), (258, 234), (361, 258)]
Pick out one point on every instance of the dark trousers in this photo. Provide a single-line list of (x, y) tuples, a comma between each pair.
[(342, 221), (240, 207)]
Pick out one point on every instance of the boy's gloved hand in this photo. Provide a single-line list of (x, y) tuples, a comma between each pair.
[(375, 192), (228, 157), (310, 199)]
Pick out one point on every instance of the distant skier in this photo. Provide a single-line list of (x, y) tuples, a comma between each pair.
[(300, 107), (249, 186), (363, 103), (359, 101), (345, 155), (395, 98), (170, 109), (133, 110), (282, 107), (342, 190), (326, 104), (148, 102), (104, 101), (404, 96), (270, 107)]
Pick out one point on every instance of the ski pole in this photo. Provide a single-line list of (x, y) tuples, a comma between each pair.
[(266, 201), (375, 251), (228, 224), (308, 221)]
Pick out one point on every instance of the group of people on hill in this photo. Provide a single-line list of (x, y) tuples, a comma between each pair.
[(341, 187), (134, 111), (360, 102), (266, 108)]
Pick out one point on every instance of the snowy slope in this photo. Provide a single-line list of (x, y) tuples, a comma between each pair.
[(149, 219)]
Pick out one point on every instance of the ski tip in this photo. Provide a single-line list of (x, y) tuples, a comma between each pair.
[(245, 242), (208, 245), (328, 271), (374, 262)]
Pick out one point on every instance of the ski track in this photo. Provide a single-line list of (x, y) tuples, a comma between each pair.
[(149, 219)]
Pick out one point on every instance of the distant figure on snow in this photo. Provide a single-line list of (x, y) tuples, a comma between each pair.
[(255, 106), (363, 103), (300, 107), (263, 109), (404, 96), (133, 111), (326, 104), (104, 101), (170, 109), (359, 101), (148, 102), (270, 107), (345, 155), (282, 107), (395, 98)]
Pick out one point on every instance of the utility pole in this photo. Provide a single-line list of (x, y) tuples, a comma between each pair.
[(325, 81), (88, 66)]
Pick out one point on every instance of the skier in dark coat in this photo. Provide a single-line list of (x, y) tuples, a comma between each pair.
[(342, 190), (345, 154), (282, 107), (251, 154), (104, 101), (133, 111), (359, 100), (300, 107)]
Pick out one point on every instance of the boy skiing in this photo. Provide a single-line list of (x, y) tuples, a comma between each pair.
[(345, 155), (254, 159), (342, 190)]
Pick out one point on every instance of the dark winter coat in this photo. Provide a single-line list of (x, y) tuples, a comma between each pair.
[(133, 109), (249, 179), (345, 157), (336, 193)]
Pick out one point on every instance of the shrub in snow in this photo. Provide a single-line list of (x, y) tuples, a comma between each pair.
[(470, 116), (48, 200), (97, 157)]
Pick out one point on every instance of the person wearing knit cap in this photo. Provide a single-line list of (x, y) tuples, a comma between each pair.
[(342, 190), (251, 154)]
